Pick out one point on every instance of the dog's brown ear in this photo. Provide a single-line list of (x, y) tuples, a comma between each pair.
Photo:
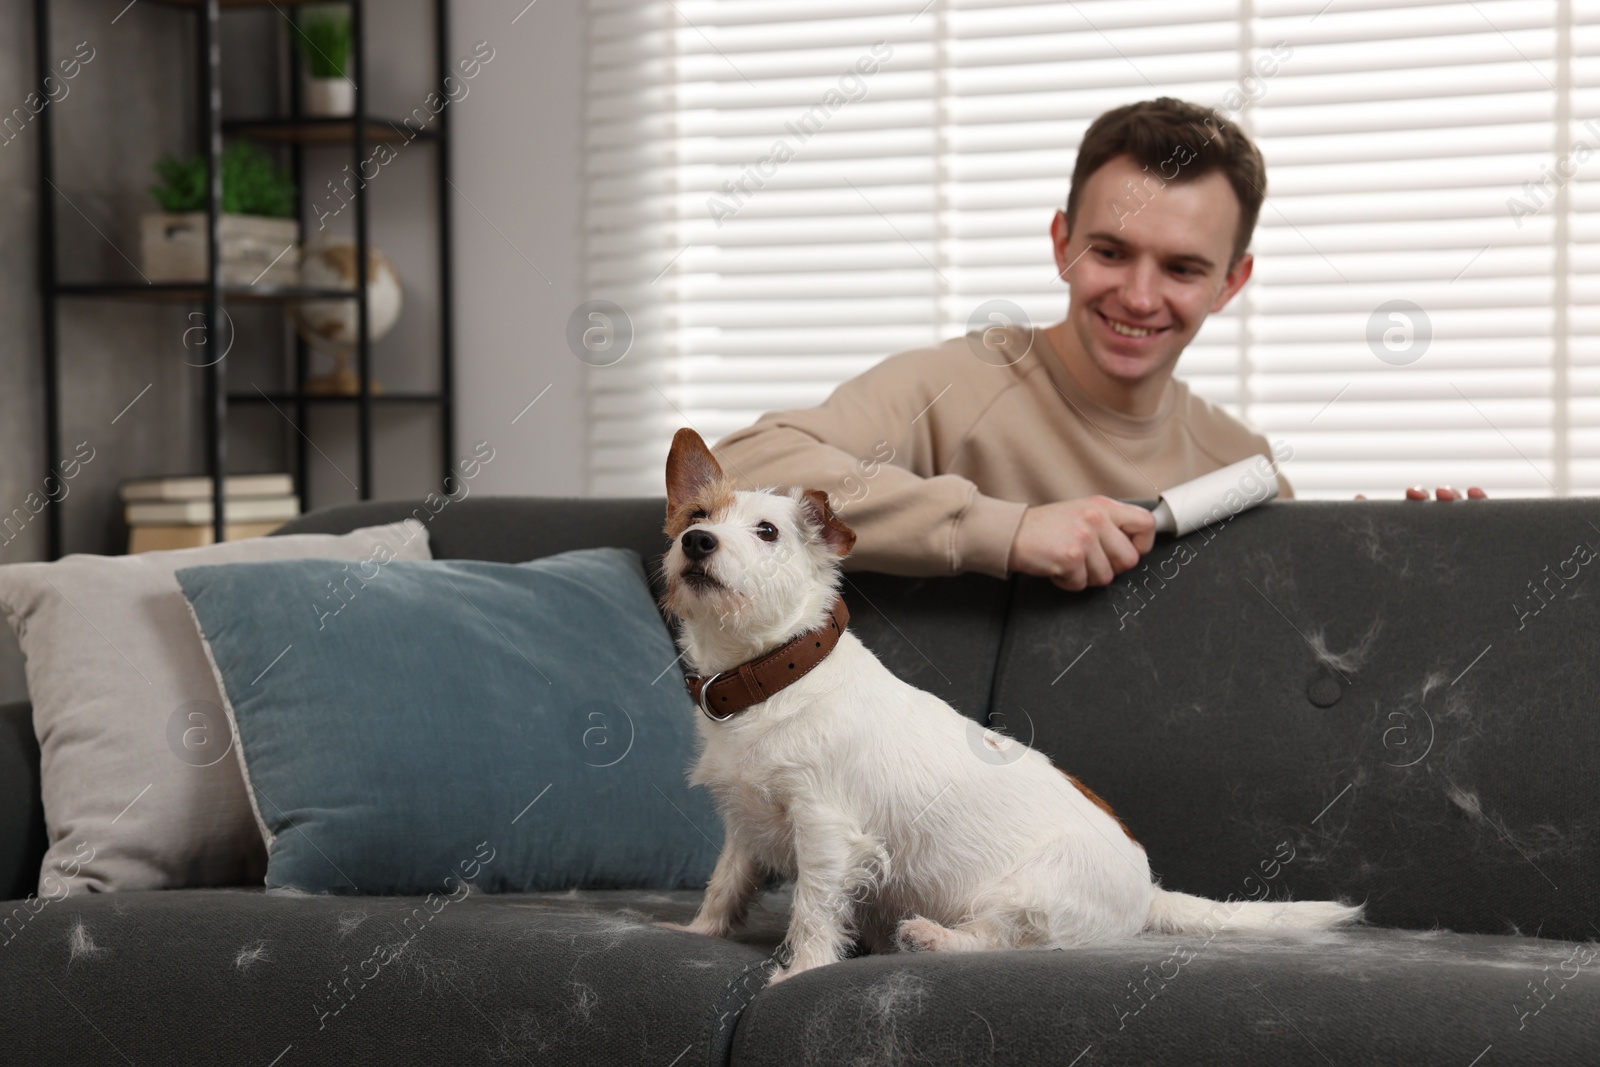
[(690, 468), (830, 528)]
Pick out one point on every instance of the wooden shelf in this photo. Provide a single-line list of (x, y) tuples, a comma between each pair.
[(240, 3), (179, 292), (317, 398), (322, 130), (291, 134)]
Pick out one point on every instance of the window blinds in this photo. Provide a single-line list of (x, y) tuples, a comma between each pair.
[(782, 193)]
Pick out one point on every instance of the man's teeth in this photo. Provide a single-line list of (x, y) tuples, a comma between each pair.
[(1129, 331)]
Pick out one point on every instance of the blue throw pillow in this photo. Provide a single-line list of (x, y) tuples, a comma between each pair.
[(404, 726)]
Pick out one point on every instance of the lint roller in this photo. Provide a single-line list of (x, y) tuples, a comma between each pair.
[(1214, 497)]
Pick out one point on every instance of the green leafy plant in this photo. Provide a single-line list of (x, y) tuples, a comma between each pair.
[(325, 43), (251, 184)]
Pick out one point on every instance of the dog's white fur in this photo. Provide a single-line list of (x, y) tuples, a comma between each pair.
[(901, 821)]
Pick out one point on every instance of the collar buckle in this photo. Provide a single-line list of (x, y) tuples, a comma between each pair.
[(705, 690)]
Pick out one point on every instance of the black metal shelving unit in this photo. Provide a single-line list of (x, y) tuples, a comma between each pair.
[(296, 131)]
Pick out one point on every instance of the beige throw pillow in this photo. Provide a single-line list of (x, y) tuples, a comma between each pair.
[(141, 787)]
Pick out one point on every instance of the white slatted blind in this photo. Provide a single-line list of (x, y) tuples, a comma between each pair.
[(767, 241)]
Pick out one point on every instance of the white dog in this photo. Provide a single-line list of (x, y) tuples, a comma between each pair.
[(901, 821)]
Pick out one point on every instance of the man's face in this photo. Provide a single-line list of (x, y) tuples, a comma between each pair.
[(1145, 270)]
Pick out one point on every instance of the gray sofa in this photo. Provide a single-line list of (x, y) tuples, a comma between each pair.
[(1391, 703)]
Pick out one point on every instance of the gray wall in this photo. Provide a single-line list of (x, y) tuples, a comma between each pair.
[(518, 206), (519, 159)]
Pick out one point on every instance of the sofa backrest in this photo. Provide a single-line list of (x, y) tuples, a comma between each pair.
[(1397, 703), (940, 634), (1390, 702)]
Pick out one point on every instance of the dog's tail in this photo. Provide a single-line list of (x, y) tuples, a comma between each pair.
[(1180, 913)]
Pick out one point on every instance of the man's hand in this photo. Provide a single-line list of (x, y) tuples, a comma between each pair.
[(1081, 543), (1444, 492)]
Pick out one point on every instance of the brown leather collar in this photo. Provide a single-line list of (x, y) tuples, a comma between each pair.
[(726, 693)]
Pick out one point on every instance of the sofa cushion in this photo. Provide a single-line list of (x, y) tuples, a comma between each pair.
[(1386, 690), (939, 634), (247, 976), (401, 729), (1360, 997), (139, 788)]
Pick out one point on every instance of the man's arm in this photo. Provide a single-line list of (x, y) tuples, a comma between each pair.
[(904, 523), (874, 447), (909, 524)]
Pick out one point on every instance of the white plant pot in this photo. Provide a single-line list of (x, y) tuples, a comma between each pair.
[(255, 249), (329, 97)]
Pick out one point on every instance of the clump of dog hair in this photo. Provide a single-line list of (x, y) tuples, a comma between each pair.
[(250, 955), (1466, 800), (433, 973), (602, 931), (1431, 681), (562, 1024), (899, 994), (584, 1001), (349, 920), (80, 945), (887, 1011), (1350, 660)]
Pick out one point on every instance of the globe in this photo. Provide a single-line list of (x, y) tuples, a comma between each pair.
[(330, 326)]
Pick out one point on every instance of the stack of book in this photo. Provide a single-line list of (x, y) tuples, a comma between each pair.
[(167, 513)]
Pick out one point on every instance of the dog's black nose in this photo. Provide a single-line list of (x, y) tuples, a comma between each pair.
[(698, 544)]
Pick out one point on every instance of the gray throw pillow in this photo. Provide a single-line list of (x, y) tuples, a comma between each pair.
[(141, 787)]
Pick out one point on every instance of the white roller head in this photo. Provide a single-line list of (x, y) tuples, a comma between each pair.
[(1217, 496)]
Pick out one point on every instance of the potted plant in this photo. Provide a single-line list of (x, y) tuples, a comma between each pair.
[(259, 233), (325, 46)]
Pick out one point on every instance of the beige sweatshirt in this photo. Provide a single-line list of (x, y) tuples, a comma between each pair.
[(933, 455)]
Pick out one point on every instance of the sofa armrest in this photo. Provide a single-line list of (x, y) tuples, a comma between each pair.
[(22, 833)]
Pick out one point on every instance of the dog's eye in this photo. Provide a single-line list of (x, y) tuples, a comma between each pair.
[(766, 531), (697, 516)]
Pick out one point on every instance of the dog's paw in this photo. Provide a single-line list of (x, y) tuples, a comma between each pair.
[(917, 934), (800, 963), (691, 928), (783, 974)]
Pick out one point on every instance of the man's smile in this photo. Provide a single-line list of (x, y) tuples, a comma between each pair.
[(1129, 330)]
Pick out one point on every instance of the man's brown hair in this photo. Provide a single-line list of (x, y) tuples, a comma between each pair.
[(1175, 141)]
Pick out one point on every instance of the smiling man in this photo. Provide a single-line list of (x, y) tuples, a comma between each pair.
[(1001, 451)]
